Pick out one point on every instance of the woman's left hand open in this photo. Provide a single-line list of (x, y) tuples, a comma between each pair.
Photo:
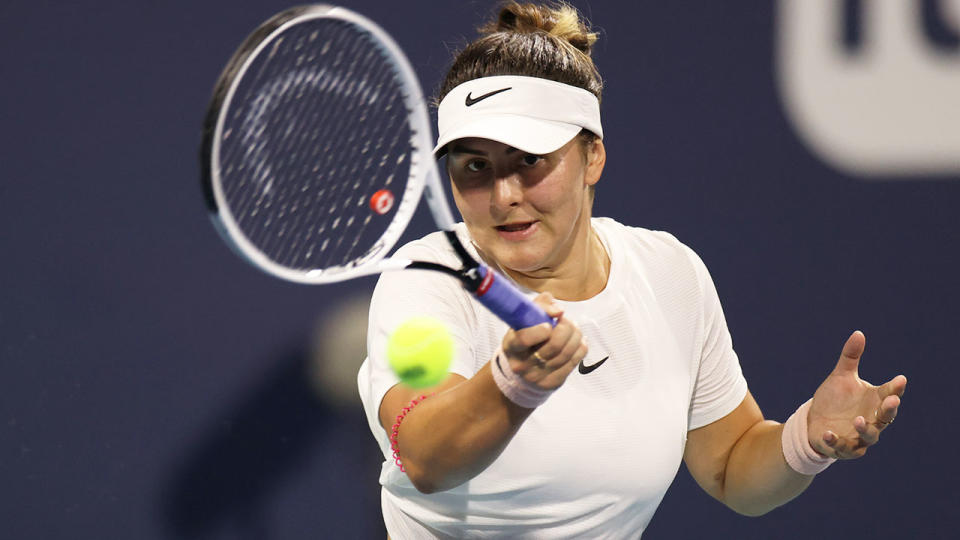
[(848, 413)]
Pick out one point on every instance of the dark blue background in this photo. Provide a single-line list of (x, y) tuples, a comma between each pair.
[(153, 386)]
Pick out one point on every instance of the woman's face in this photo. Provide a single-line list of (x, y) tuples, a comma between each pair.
[(527, 212)]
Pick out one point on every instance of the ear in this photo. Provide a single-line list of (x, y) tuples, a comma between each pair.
[(596, 159)]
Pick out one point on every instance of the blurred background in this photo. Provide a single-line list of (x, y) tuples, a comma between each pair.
[(155, 386)]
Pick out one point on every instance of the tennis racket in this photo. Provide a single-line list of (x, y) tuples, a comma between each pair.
[(316, 151)]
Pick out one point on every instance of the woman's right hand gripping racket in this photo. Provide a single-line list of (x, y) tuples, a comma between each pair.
[(316, 150)]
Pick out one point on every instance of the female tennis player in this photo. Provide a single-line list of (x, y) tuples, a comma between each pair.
[(575, 429)]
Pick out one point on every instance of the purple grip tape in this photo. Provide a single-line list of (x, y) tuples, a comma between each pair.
[(505, 301)]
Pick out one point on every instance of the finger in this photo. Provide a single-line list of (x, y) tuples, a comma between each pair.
[(561, 334), (832, 443), (569, 351), (894, 387), (850, 355), (518, 343), (548, 303), (560, 374), (554, 311), (887, 410), (869, 433), (544, 298), (838, 447)]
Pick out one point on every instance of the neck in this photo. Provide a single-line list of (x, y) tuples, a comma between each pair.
[(581, 274)]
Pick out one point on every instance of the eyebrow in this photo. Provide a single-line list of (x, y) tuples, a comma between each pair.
[(460, 149)]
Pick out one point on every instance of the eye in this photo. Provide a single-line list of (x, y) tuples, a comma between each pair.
[(476, 165), (530, 160)]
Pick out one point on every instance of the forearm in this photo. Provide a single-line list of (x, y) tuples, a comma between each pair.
[(757, 477), (453, 436)]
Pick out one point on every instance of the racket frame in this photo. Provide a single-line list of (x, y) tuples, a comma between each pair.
[(485, 284), (423, 174)]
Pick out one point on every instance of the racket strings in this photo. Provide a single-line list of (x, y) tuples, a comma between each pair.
[(353, 137), (290, 118), (308, 139), (261, 159), (315, 118), (346, 193)]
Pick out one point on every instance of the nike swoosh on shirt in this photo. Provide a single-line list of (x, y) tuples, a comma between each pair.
[(584, 369), (471, 100)]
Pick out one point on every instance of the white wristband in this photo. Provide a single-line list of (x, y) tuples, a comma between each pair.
[(796, 445), (514, 387)]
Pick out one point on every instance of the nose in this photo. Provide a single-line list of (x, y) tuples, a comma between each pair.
[(507, 191)]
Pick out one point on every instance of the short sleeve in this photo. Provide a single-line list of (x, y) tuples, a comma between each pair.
[(719, 386), (400, 295)]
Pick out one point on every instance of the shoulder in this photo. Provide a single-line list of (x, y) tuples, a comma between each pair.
[(433, 247), (668, 266), (415, 287), (650, 245)]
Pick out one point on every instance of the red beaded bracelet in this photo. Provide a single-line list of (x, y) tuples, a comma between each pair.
[(396, 430)]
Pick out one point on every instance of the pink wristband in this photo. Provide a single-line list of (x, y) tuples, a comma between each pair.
[(796, 445), (514, 387)]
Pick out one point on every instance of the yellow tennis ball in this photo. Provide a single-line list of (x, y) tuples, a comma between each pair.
[(420, 351)]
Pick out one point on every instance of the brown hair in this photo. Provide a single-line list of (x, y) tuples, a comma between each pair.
[(547, 40)]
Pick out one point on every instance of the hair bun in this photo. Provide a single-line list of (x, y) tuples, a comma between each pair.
[(547, 40), (560, 20)]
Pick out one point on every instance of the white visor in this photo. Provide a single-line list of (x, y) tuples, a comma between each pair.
[(530, 114)]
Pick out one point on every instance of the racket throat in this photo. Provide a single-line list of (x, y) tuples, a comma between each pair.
[(475, 279)]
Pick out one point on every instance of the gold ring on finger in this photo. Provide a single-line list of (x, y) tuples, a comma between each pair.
[(879, 421), (540, 361)]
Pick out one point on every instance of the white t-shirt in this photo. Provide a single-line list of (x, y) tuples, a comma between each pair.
[(595, 460)]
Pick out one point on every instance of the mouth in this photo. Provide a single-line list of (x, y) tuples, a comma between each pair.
[(517, 231), (515, 227)]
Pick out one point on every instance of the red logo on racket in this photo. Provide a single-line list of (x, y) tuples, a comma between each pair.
[(485, 284), (382, 201)]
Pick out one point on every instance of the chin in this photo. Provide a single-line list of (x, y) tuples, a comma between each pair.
[(522, 257), (520, 260)]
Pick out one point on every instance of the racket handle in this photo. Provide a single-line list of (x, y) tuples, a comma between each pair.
[(505, 301)]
